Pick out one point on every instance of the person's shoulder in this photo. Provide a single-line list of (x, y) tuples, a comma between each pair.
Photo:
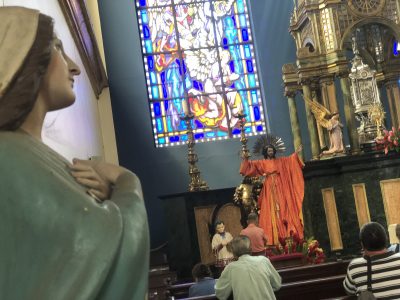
[(208, 280), (357, 262), (257, 259), (395, 255), (245, 230), (193, 290)]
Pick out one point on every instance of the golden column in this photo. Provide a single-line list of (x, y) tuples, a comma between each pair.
[(321, 132), (312, 128), (294, 121), (349, 115), (392, 89), (328, 97), (328, 92)]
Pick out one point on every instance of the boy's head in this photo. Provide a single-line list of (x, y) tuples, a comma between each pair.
[(219, 227), (200, 271)]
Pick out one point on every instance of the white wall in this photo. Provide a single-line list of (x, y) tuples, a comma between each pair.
[(76, 130), (104, 101)]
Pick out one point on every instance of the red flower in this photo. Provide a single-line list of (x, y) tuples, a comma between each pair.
[(296, 238)]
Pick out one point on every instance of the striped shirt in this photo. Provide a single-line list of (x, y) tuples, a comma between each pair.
[(385, 276)]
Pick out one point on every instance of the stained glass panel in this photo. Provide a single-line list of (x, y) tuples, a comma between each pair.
[(199, 58)]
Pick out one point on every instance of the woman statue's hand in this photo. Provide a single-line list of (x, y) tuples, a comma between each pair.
[(84, 173), (97, 176)]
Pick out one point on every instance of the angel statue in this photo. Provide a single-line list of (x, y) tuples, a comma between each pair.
[(282, 193), (331, 122)]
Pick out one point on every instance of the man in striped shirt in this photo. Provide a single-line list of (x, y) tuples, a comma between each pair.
[(385, 265)]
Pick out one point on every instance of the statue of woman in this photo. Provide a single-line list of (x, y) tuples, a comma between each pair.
[(69, 231)]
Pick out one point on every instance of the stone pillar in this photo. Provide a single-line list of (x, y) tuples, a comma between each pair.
[(392, 104), (312, 129), (294, 122), (349, 115)]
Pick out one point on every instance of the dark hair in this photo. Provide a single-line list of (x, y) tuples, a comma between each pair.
[(398, 231), (200, 271), (240, 245), (22, 92), (218, 223), (252, 217), (373, 236), (265, 150)]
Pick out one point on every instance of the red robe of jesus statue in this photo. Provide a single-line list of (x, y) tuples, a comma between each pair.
[(281, 197)]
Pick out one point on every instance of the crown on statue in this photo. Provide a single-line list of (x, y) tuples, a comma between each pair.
[(269, 139)]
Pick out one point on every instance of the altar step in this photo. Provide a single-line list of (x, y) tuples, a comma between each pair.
[(322, 281)]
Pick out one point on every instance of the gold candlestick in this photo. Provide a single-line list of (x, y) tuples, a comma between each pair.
[(244, 153), (196, 183)]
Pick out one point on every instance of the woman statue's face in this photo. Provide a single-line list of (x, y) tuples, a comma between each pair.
[(58, 81)]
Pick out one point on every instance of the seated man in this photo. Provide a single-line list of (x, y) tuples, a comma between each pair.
[(248, 278), (385, 265), (258, 239), (395, 247), (204, 282)]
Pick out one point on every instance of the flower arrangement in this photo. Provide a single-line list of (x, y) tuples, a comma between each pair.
[(310, 248), (315, 254), (390, 140)]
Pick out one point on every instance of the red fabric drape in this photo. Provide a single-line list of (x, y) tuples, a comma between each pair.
[(281, 197)]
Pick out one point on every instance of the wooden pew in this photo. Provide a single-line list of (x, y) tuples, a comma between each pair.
[(322, 288), (313, 271), (310, 280)]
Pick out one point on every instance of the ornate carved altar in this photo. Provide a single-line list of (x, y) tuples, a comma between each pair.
[(322, 30), (341, 195)]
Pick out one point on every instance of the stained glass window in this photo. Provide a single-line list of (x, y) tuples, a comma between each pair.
[(199, 59)]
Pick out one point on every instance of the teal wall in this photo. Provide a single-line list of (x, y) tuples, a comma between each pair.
[(164, 171)]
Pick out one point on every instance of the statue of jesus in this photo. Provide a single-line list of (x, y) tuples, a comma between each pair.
[(281, 197)]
